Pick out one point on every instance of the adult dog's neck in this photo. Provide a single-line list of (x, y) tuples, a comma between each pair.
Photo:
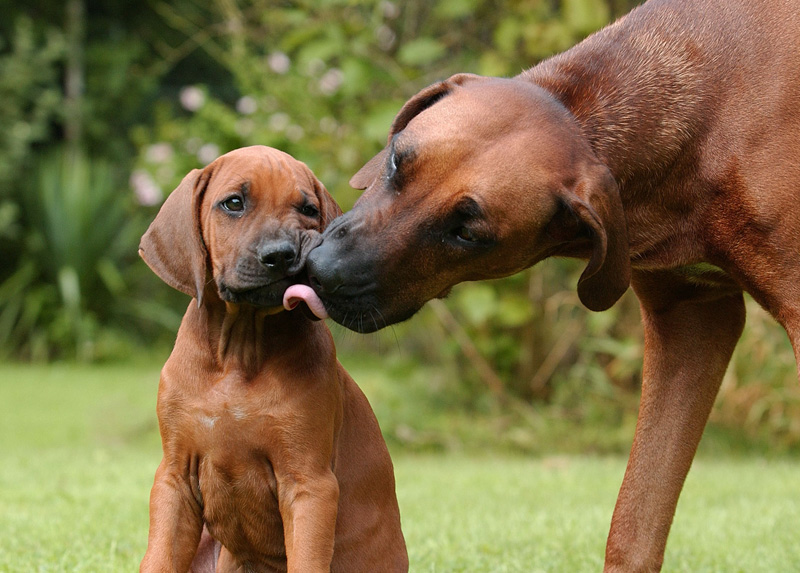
[(637, 89)]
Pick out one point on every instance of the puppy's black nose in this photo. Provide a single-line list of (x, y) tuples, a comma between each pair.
[(277, 256)]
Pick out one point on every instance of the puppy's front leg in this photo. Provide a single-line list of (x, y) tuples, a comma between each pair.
[(176, 522), (308, 505)]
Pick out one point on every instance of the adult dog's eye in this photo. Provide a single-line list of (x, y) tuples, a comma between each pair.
[(465, 234), (309, 210), (233, 204)]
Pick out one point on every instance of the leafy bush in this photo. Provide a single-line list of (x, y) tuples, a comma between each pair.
[(759, 399), (171, 85), (323, 81), (30, 98), (69, 297)]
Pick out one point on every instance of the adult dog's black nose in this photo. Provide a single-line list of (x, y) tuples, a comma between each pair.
[(324, 270), (277, 256), (335, 268)]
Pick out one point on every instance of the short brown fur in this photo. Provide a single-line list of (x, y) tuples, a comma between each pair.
[(269, 445), (664, 149)]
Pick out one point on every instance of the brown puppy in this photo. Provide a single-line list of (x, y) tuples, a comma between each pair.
[(267, 440), (664, 149)]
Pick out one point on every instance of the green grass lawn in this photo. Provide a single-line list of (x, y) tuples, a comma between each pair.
[(79, 446)]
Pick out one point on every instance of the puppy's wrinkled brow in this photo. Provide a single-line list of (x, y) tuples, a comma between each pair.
[(239, 183)]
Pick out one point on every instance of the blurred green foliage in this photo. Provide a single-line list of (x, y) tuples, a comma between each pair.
[(167, 86), (74, 292), (323, 80), (30, 99)]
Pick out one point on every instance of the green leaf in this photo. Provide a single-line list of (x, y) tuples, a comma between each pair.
[(514, 311), (69, 286), (508, 34), (478, 302), (421, 51), (585, 16), (111, 276), (453, 9), (377, 123)]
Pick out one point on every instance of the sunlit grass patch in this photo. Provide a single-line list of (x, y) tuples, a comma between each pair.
[(80, 447)]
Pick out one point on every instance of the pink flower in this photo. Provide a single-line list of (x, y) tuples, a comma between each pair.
[(159, 153), (192, 98), (331, 81), (279, 62), (208, 153), (147, 191), (246, 105)]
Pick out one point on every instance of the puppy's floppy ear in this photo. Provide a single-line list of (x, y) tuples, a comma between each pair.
[(328, 207), (412, 108), (173, 244), (596, 203)]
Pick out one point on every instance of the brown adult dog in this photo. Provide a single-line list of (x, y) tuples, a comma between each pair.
[(267, 440), (663, 149)]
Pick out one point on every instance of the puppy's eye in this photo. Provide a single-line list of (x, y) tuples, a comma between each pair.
[(233, 204), (309, 210)]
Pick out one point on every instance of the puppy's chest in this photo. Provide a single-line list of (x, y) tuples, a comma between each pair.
[(235, 418), (236, 429)]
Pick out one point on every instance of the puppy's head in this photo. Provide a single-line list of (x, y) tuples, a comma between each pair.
[(245, 223)]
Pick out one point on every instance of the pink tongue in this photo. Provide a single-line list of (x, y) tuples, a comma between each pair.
[(296, 294)]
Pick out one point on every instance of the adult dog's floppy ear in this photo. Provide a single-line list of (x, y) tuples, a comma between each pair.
[(595, 201), (173, 244), (413, 107), (426, 98)]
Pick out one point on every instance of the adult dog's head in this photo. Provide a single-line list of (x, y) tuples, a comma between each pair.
[(244, 224), (481, 178)]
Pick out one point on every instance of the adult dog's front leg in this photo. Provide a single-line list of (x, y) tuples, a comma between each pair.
[(309, 506), (176, 523), (690, 334)]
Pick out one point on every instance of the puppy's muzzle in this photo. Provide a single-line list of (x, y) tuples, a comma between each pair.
[(278, 257)]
